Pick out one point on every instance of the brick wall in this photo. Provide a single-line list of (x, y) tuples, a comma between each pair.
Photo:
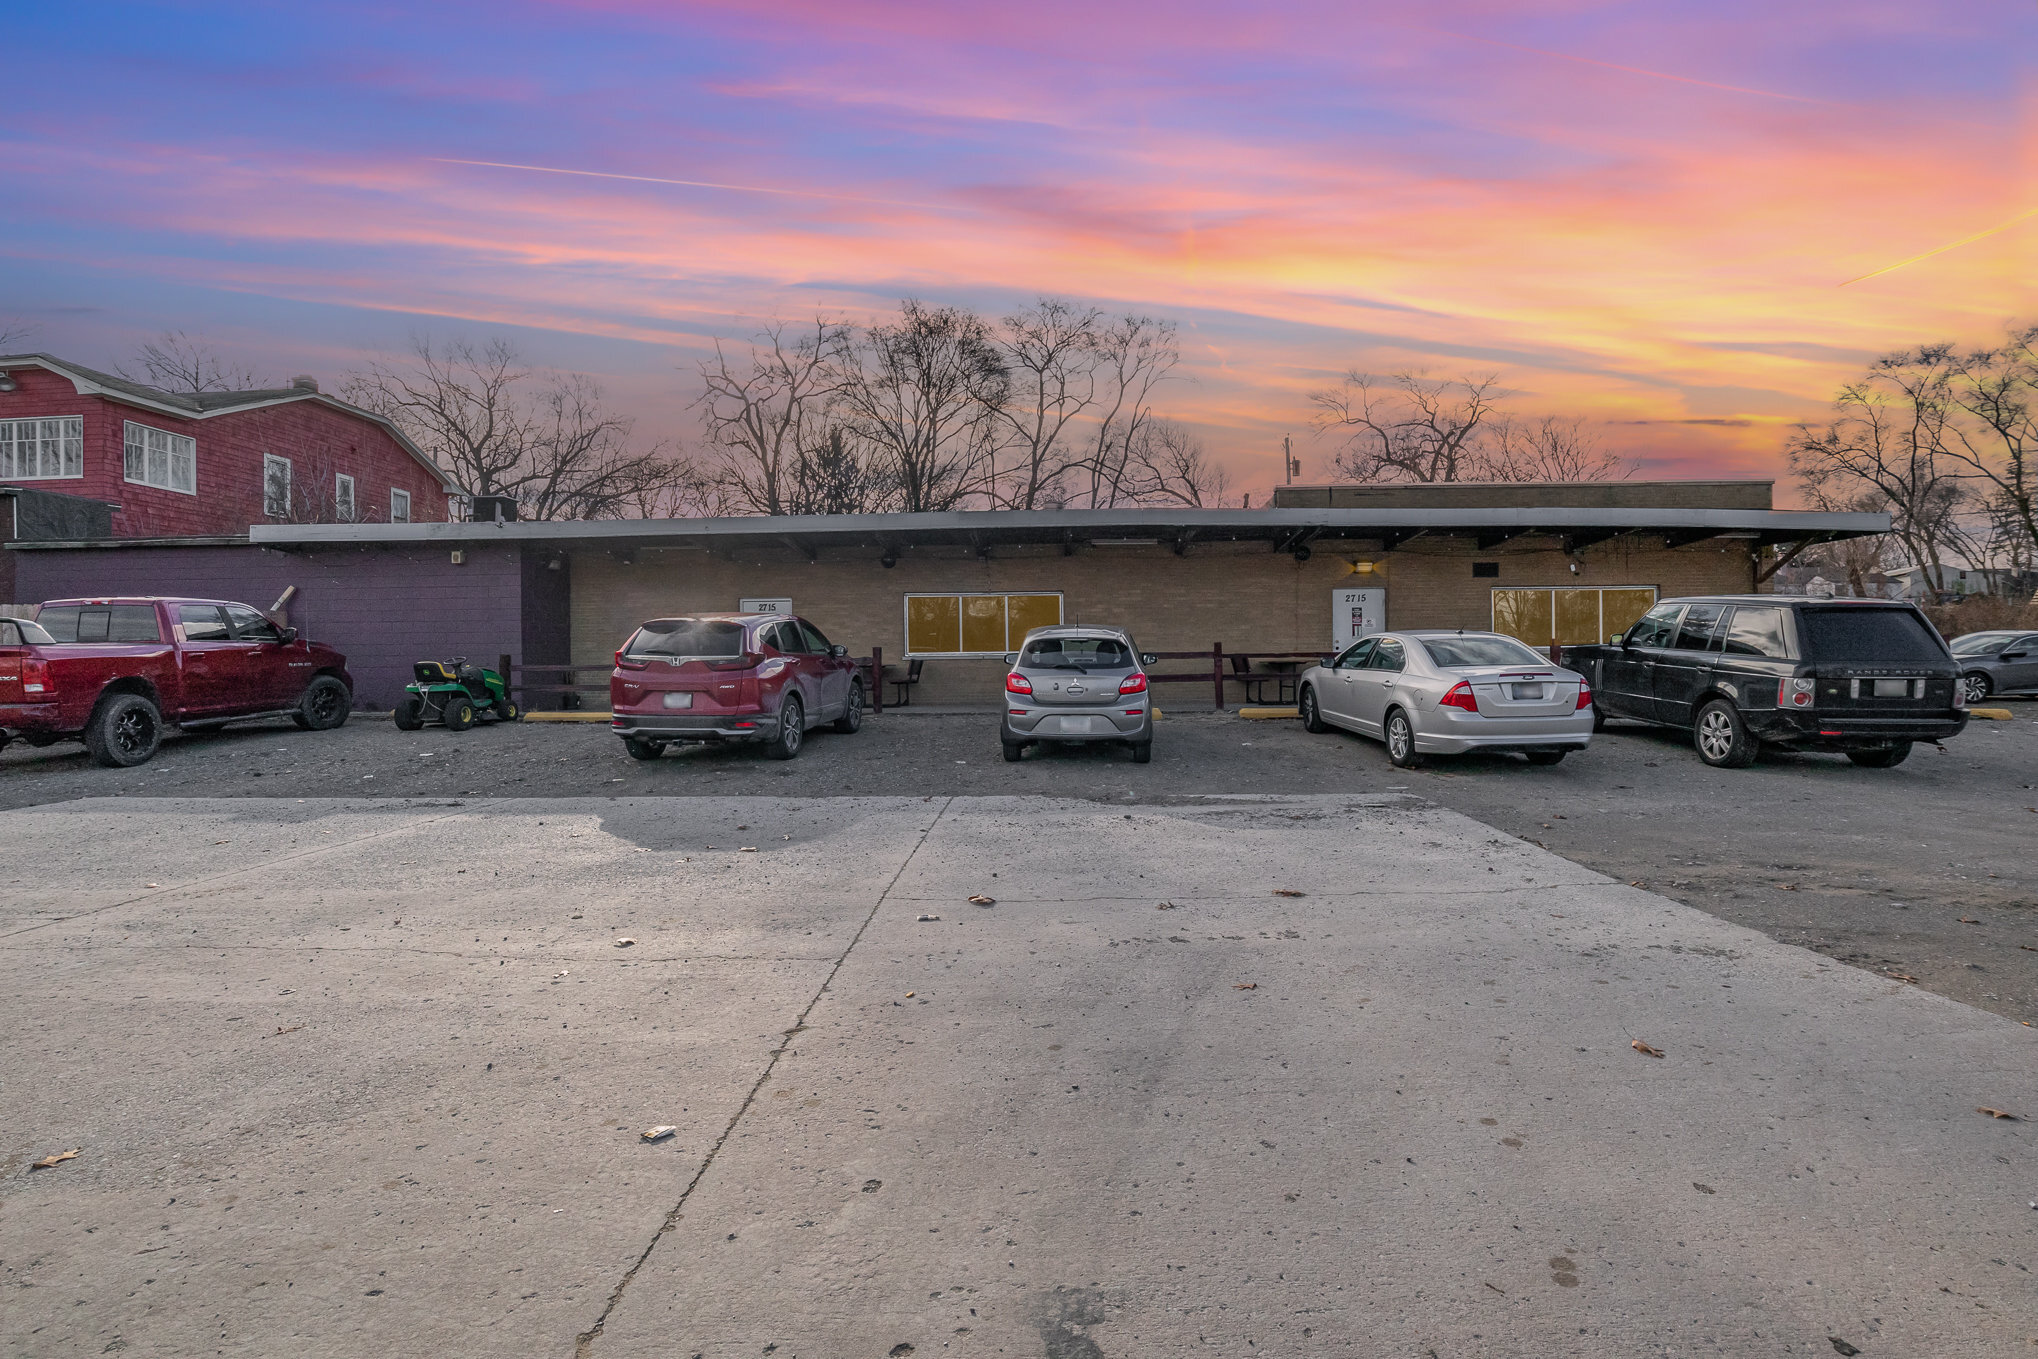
[(385, 608), (319, 440), (1243, 595)]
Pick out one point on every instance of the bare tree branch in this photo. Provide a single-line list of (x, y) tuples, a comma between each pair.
[(1169, 466), (1052, 352), (764, 416), (924, 392), (176, 362), (1138, 353)]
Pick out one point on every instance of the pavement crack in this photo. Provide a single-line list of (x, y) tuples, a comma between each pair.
[(584, 1345)]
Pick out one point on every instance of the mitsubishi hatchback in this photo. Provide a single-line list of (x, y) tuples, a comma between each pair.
[(1077, 684)]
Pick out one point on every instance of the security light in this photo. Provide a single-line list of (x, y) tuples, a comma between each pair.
[(6, 382)]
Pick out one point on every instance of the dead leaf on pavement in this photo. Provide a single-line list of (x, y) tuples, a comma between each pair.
[(2029, 948), (625, 942), (1638, 883), (1900, 976), (981, 900), (51, 1162), (747, 849), (1169, 906), (1998, 1113), (1245, 986), (1639, 1046), (659, 1133), (1786, 887), (1287, 892), (1841, 1347), (930, 917), (1969, 920), (292, 1029)]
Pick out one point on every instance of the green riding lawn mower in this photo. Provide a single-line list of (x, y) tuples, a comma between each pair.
[(454, 693)]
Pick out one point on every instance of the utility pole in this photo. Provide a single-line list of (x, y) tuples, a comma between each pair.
[(1288, 459)]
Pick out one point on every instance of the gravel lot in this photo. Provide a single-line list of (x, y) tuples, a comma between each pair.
[(1925, 871)]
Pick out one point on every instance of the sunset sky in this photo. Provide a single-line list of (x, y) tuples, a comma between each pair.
[(1648, 214)]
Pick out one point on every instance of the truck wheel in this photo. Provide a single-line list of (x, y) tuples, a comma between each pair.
[(852, 716), (1722, 737), (459, 713), (410, 713), (641, 749), (324, 705), (1887, 758), (1312, 717), (124, 731), (792, 731)]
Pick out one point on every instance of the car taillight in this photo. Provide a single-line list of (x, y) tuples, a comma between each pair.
[(1795, 693), (1016, 683), (35, 675), (1584, 696), (625, 662), (1132, 684), (1460, 696), (1959, 692)]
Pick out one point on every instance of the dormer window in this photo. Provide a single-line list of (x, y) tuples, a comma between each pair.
[(158, 458), (48, 449)]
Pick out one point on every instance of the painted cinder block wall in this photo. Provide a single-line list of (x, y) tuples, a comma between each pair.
[(1240, 594), (317, 438), (384, 608)]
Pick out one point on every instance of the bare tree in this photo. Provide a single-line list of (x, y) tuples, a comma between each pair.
[(1996, 436), (766, 414), (923, 393), (1887, 437), (560, 453), (1547, 448), (177, 362), (1850, 559), (13, 330), (1409, 426), (1136, 355), (1052, 353), (1169, 466)]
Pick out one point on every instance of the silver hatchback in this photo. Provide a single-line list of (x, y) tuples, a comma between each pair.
[(1077, 684), (1445, 693)]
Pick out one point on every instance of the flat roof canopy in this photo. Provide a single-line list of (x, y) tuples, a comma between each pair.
[(1282, 529)]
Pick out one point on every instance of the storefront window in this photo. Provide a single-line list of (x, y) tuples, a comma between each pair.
[(975, 625), (1572, 616)]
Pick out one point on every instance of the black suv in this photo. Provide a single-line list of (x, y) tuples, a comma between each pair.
[(1863, 676)]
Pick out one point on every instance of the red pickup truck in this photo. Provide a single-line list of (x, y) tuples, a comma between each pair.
[(112, 672)]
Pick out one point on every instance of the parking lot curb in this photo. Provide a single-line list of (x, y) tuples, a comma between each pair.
[(1264, 714), (569, 717), (1992, 714)]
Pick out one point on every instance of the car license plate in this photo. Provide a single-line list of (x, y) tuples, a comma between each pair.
[(679, 700), (1889, 688), (1528, 691)]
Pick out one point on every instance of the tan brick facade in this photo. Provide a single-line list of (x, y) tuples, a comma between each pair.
[(1243, 595)]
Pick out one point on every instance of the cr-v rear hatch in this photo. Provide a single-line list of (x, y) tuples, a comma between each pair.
[(1876, 661), (686, 665)]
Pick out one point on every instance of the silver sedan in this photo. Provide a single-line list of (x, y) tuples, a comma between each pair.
[(1445, 693)]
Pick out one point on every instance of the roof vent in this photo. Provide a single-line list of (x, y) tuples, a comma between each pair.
[(304, 382)]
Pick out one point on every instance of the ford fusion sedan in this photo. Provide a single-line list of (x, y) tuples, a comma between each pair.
[(1077, 684), (715, 677), (1446, 693)]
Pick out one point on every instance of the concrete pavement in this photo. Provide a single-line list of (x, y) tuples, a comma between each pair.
[(366, 1077)]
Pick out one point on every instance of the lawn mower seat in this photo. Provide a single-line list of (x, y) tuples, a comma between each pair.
[(433, 672)]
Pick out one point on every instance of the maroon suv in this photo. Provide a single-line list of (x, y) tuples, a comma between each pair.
[(767, 677)]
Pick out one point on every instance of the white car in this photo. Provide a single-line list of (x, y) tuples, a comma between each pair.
[(1445, 693)]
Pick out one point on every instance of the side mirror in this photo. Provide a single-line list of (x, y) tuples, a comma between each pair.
[(838, 652), (1618, 639), (1147, 658), (289, 636), (1327, 662), (1011, 658), (2013, 655)]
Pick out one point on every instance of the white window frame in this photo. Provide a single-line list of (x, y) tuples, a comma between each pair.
[(68, 438), (140, 447), (399, 496), (271, 461), (906, 618), (344, 502)]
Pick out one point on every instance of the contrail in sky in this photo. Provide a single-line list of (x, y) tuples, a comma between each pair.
[(700, 184), (1964, 240), (1615, 66)]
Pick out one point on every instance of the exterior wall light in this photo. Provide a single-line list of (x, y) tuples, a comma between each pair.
[(6, 382), (889, 560)]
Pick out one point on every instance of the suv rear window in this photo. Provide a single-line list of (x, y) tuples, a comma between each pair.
[(101, 623), (707, 638), (1077, 653), (1868, 636)]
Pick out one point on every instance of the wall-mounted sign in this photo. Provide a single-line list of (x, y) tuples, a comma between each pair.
[(765, 605), (1355, 614)]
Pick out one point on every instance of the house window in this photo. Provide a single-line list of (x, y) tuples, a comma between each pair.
[(975, 625), (1571, 616), (399, 506), (42, 450), (343, 497), (158, 458), (275, 486)]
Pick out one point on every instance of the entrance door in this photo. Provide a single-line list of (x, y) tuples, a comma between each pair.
[(1355, 614)]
